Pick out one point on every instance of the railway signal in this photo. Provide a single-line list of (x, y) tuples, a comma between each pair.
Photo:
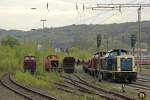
[(99, 39), (133, 42)]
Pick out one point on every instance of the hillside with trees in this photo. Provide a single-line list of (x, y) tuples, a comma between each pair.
[(84, 36)]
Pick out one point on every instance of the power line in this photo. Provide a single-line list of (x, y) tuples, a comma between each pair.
[(120, 10), (108, 11)]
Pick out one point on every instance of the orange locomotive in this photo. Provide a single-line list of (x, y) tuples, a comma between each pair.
[(51, 62)]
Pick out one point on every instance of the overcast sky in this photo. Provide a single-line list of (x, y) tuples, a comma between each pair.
[(16, 14)]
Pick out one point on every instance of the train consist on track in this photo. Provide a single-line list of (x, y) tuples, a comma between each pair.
[(51, 63), (115, 65)]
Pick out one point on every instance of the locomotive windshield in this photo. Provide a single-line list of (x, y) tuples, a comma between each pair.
[(26, 58), (117, 52), (123, 53)]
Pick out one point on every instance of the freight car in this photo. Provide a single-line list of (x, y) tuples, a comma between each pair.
[(114, 65), (30, 64), (143, 61), (51, 63), (69, 64)]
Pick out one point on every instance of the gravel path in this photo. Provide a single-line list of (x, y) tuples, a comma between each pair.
[(6, 94)]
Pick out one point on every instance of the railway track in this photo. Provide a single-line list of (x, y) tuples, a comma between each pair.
[(139, 86), (83, 89), (145, 76), (143, 80), (63, 87), (8, 81), (141, 83), (89, 88)]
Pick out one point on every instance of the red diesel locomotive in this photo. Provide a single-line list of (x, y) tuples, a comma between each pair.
[(30, 64)]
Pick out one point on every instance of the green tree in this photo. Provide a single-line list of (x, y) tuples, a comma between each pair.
[(10, 41)]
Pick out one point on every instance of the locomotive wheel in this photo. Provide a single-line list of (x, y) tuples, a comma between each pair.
[(129, 81)]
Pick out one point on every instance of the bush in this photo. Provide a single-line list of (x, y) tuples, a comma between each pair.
[(10, 41)]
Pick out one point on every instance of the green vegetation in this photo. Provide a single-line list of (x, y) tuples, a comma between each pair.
[(36, 80), (8, 59), (10, 41)]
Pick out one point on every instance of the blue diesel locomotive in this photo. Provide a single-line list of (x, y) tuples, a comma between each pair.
[(115, 65)]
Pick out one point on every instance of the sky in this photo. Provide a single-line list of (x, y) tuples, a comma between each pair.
[(16, 14)]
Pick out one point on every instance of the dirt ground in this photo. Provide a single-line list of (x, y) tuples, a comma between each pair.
[(6, 94)]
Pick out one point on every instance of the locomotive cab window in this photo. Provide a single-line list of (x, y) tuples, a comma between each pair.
[(32, 58), (118, 52), (113, 54), (26, 58), (123, 53)]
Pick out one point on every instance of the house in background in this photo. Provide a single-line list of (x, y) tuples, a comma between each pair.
[(60, 47)]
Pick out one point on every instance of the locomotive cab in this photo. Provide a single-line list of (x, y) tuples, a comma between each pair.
[(119, 65), (119, 60), (51, 62), (115, 65), (30, 63), (69, 64)]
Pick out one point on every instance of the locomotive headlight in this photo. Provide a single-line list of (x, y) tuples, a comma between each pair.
[(134, 68), (126, 57)]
